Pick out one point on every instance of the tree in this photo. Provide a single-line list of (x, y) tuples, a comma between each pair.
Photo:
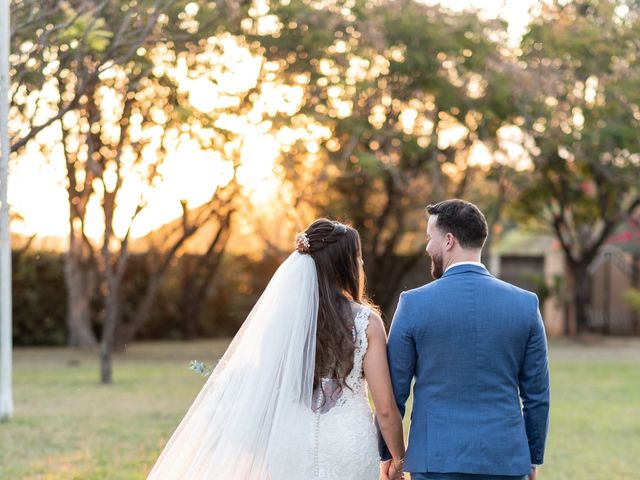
[(404, 93), (61, 50), (119, 106), (198, 270), (582, 109), (33, 25)]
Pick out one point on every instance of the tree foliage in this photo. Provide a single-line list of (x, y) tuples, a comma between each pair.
[(582, 111), (405, 92)]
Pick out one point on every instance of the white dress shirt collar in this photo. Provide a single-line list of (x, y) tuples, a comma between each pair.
[(477, 264)]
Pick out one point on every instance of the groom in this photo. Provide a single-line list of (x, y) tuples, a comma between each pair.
[(477, 350)]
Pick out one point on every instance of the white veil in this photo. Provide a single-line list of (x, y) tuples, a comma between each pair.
[(248, 420)]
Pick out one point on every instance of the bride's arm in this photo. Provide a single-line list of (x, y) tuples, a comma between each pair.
[(376, 371)]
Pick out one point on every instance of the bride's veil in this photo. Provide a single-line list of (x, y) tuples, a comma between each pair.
[(253, 415)]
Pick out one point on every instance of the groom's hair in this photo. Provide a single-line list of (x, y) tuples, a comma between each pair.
[(463, 220)]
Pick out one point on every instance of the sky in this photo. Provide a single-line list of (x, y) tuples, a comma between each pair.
[(515, 12), (37, 187)]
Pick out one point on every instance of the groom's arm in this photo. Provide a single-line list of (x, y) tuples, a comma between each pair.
[(534, 389), (401, 352)]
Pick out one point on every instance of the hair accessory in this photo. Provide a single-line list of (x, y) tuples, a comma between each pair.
[(302, 242)]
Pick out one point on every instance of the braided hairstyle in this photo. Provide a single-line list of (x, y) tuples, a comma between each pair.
[(337, 253)]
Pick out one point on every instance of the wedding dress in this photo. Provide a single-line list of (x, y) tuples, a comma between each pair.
[(345, 438), (258, 417)]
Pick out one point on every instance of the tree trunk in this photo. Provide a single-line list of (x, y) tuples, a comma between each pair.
[(125, 333), (112, 313), (80, 278), (582, 296), (199, 274), (106, 375), (386, 280)]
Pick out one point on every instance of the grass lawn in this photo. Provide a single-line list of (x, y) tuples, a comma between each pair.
[(67, 426)]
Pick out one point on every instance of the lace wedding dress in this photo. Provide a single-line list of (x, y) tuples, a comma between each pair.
[(258, 417), (344, 443)]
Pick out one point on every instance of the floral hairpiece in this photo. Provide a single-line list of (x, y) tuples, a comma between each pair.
[(302, 243)]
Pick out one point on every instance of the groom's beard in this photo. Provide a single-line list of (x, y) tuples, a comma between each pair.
[(437, 266)]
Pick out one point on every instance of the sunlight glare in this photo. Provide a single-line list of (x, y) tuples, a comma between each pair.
[(188, 174), (37, 192), (255, 173), (514, 146), (192, 174)]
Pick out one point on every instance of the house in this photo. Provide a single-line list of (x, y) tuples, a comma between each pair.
[(536, 262)]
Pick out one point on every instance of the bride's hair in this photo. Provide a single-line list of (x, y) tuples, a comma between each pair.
[(336, 250)]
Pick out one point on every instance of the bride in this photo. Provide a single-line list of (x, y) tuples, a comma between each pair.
[(289, 398)]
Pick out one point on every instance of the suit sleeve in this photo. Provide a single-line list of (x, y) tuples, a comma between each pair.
[(534, 388), (401, 352)]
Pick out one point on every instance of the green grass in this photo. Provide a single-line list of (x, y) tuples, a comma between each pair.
[(67, 426)]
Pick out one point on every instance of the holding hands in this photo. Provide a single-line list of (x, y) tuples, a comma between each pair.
[(392, 469)]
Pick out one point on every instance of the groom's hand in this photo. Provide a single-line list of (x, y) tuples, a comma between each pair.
[(534, 473), (396, 472), (384, 470)]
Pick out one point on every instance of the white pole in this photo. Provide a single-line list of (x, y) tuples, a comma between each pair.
[(6, 396)]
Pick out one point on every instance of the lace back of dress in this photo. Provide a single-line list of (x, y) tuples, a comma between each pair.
[(330, 394)]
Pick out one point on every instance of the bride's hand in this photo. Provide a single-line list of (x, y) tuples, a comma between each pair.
[(384, 469)]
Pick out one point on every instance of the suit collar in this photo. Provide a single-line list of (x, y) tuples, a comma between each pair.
[(466, 268)]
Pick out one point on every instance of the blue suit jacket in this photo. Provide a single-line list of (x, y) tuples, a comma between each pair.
[(477, 349)]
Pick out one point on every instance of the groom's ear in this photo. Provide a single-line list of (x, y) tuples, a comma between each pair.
[(450, 241)]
